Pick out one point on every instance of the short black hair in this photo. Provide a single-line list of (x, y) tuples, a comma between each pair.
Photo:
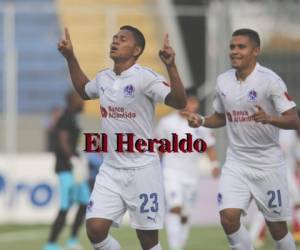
[(252, 34), (138, 36)]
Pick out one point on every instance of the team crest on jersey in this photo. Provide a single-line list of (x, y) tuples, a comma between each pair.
[(252, 95), (129, 90)]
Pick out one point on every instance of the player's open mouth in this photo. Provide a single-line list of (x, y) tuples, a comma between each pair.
[(113, 49)]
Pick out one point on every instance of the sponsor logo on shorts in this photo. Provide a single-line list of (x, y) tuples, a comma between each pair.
[(152, 218), (276, 212), (219, 198), (90, 205)]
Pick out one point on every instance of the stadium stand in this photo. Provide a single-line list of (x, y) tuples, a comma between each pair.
[(1, 62), (42, 75)]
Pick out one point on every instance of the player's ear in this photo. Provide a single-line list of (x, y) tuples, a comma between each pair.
[(256, 51), (137, 51)]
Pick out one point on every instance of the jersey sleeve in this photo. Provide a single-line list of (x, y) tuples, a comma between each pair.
[(217, 102), (91, 88), (280, 97), (156, 87)]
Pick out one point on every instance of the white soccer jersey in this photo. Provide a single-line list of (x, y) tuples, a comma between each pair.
[(185, 162), (127, 106), (254, 144)]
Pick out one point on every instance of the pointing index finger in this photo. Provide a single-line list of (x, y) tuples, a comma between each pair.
[(67, 34), (166, 40)]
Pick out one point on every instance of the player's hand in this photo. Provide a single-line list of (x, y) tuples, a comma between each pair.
[(194, 120), (167, 54), (65, 46), (260, 115)]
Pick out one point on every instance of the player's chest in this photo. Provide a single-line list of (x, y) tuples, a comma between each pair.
[(243, 95), (119, 92)]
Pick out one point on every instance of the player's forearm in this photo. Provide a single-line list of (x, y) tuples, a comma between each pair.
[(212, 154), (79, 79), (215, 121), (284, 122), (177, 97)]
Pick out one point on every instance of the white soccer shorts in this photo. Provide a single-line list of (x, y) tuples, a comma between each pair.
[(181, 190), (239, 185), (138, 190)]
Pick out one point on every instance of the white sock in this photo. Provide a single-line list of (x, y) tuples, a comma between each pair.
[(109, 243), (174, 230), (286, 243), (258, 223), (157, 247), (185, 234), (240, 240)]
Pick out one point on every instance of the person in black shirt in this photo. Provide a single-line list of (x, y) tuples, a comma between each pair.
[(70, 168)]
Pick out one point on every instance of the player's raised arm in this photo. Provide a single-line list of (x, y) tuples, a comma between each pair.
[(79, 79), (177, 97), (216, 120)]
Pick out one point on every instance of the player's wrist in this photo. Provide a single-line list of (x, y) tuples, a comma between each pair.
[(171, 65), (202, 120), (269, 119), (70, 57)]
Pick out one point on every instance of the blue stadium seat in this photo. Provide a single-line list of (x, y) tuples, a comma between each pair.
[(1, 63), (42, 72)]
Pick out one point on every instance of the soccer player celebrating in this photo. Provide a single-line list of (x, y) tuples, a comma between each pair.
[(254, 104), (181, 171), (127, 181)]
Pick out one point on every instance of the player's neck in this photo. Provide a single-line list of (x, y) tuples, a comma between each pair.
[(242, 74), (120, 66)]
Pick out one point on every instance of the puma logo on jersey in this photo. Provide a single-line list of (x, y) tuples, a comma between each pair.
[(102, 89)]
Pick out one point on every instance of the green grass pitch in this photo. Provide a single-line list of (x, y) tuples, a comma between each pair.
[(16, 237)]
